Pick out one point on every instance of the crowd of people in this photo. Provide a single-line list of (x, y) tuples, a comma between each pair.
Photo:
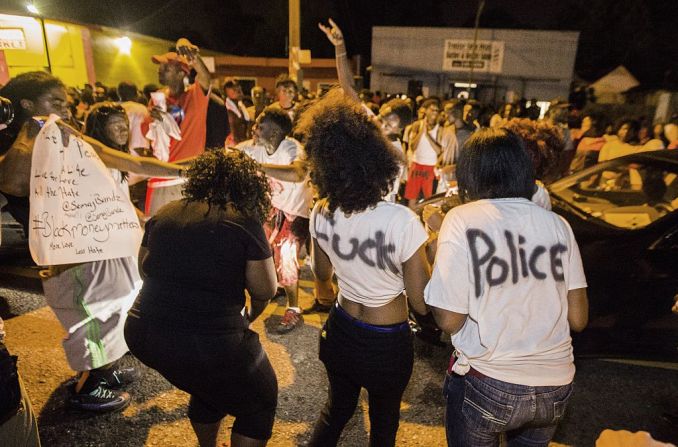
[(235, 192)]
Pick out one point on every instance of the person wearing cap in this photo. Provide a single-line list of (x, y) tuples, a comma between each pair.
[(188, 107), (238, 117)]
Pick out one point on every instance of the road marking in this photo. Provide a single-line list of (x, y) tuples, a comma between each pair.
[(649, 364)]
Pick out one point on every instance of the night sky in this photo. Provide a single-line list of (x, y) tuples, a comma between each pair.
[(641, 34)]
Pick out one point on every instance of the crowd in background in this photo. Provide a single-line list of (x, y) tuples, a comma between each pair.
[(337, 166)]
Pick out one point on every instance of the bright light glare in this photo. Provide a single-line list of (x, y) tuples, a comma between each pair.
[(32, 9), (124, 44)]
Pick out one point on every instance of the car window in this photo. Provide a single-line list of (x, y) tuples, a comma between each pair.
[(622, 193)]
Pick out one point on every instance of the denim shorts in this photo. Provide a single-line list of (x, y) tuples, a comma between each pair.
[(481, 411)]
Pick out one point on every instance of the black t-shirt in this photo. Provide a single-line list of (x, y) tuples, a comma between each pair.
[(197, 256), (217, 125)]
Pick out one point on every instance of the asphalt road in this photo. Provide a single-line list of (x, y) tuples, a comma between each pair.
[(608, 394)]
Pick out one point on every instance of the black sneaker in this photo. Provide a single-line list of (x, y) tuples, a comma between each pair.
[(317, 308), (117, 377), (99, 400)]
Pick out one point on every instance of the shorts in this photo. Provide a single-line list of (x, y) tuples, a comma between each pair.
[(226, 373), (286, 234), (420, 179)]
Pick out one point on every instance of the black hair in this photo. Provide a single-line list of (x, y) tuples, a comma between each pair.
[(493, 165), (31, 86), (429, 102), (87, 97), (544, 144), (127, 91), (148, 89), (278, 117), (225, 177), (95, 125), (634, 129), (400, 108), (285, 81), (351, 163), (230, 83)]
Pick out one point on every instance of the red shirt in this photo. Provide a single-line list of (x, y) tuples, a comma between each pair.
[(190, 111)]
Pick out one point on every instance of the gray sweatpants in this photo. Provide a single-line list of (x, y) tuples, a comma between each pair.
[(91, 301)]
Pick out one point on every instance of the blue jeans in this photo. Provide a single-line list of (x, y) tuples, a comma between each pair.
[(482, 410)]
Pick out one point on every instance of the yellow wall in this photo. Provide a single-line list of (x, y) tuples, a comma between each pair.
[(65, 49), (112, 65), (67, 52)]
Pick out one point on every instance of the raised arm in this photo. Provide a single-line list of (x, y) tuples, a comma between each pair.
[(192, 53), (344, 73)]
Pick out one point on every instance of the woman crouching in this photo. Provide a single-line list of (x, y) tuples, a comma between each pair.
[(198, 256)]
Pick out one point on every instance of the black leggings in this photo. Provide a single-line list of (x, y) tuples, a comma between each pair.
[(225, 372), (358, 357)]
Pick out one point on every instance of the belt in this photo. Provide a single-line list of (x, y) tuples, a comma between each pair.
[(471, 372)]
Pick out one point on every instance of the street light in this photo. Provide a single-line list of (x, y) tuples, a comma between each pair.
[(35, 11), (124, 44)]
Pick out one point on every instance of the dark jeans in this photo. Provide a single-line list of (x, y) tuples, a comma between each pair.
[(481, 410), (356, 357)]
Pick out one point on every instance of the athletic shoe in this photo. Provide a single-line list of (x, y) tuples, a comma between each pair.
[(117, 377), (289, 321), (99, 400), (317, 308)]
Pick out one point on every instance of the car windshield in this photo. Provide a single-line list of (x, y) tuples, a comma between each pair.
[(625, 193)]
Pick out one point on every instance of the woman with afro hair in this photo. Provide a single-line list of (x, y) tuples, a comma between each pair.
[(376, 249)]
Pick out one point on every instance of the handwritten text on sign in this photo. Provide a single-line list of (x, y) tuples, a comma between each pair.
[(79, 212)]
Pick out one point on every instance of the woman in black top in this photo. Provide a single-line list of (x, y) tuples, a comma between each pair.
[(198, 257)]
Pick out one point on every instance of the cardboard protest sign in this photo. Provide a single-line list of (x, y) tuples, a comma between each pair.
[(78, 212)]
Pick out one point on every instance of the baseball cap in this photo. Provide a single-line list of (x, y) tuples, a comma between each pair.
[(172, 58)]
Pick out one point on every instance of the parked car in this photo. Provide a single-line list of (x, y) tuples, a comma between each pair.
[(624, 215), (13, 240)]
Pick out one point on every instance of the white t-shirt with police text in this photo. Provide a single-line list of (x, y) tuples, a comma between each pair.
[(508, 264)]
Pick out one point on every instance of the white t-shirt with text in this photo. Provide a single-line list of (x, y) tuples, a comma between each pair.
[(508, 264), (293, 198), (367, 249)]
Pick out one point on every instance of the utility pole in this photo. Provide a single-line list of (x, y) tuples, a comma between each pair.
[(294, 42), (481, 5)]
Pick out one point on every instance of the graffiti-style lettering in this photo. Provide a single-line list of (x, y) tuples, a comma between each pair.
[(557, 262), (496, 270), (373, 252)]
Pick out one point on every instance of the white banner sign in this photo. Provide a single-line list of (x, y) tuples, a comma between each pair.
[(79, 213), (12, 39), (487, 56)]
